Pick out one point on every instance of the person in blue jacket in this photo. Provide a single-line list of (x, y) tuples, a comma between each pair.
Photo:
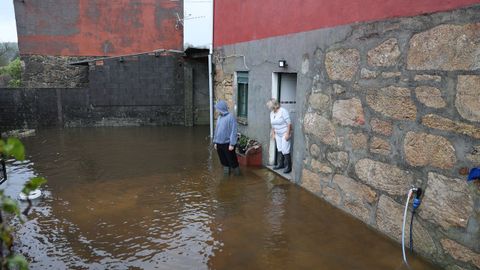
[(225, 138)]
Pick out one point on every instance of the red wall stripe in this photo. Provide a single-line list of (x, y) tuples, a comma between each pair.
[(245, 20)]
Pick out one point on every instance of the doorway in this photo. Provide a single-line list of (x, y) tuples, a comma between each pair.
[(284, 89)]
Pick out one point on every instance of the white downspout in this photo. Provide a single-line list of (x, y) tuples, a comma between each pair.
[(210, 89), (210, 72)]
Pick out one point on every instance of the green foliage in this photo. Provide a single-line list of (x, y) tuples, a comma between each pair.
[(6, 236), (15, 83), (242, 141), (10, 206), (33, 184), (245, 143), (17, 262), (8, 52), (13, 147), (14, 70)]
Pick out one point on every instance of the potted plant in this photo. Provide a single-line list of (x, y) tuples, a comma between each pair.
[(249, 151)]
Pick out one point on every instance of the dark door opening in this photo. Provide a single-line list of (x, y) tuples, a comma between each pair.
[(284, 89)]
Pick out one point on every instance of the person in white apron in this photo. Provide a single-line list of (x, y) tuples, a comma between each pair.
[(282, 132)]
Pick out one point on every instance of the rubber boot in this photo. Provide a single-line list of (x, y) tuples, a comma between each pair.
[(226, 170), (288, 163), (236, 171), (280, 163)]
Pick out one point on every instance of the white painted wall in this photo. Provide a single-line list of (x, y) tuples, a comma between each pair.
[(198, 21)]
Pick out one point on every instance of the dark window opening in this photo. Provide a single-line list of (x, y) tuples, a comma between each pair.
[(242, 94)]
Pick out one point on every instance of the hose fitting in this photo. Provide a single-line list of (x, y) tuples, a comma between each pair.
[(417, 200), (416, 203)]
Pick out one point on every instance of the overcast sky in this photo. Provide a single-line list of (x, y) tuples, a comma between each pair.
[(198, 23), (8, 28)]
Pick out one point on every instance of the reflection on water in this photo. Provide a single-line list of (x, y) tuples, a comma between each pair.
[(155, 198)]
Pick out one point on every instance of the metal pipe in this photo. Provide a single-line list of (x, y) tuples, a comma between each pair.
[(210, 71), (210, 89)]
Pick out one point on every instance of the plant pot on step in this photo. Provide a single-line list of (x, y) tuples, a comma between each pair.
[(252, 157)]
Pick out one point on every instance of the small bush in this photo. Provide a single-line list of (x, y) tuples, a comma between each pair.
[(14, 70), (14, 83)]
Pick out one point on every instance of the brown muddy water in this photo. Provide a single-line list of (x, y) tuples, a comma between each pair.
[(155, 198)]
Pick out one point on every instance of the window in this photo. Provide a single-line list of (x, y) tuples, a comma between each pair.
[(242, 94)]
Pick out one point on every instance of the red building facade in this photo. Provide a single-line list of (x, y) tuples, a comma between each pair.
[(98, 27)]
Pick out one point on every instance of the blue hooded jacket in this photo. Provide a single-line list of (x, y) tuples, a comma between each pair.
[(226, 129)]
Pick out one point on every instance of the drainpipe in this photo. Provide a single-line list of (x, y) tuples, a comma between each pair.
[(210, 72), (210, 89)]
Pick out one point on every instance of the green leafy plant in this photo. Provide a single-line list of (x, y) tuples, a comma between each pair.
[(9, 208), (242, 143), (14, 83), (14, 70)]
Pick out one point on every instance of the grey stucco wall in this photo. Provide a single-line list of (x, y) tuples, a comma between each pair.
[(260, 58)]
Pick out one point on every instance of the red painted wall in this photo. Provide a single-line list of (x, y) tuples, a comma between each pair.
[(244, 20), (98, 27)]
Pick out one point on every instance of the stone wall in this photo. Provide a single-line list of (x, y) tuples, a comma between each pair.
[(53, 71), (396, 110), (384, 106), (223, 85)]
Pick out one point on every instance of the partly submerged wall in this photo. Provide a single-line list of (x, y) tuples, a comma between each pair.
[(381, 106), (136, 90)]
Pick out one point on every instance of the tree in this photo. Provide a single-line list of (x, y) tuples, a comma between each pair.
[(8, 52)]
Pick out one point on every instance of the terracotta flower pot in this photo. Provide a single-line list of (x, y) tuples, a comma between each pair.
[(252, 157)]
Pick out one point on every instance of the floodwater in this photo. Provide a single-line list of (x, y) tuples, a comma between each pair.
[(156, 198)]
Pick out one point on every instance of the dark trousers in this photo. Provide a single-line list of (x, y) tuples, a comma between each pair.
[(227, 158)]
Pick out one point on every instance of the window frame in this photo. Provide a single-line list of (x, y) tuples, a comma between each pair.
[(242, 78)]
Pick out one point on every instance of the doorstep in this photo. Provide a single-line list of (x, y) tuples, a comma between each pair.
[(287, 176)]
